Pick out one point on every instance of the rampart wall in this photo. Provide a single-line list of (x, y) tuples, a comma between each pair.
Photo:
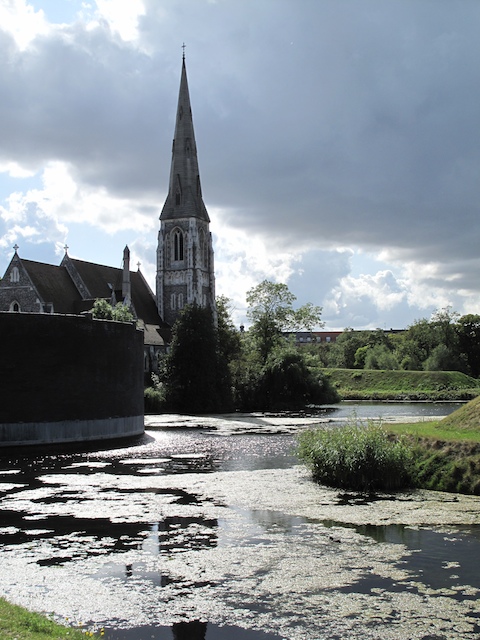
[(69, 379)]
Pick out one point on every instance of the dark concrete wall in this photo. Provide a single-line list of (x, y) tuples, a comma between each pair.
[(57, 368)]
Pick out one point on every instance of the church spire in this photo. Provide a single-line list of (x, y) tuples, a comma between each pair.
[(184, 193), (185, 271)]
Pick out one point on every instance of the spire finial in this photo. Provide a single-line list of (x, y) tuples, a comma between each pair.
[(183, 47), (66, 248), (16, 247)]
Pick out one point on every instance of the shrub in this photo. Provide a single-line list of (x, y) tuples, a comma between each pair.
[(154, 400), (357, 457)]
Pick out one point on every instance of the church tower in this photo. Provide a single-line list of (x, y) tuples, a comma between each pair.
[(185, 273)]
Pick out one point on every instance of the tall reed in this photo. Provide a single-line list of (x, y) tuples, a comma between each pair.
[(358, 457)]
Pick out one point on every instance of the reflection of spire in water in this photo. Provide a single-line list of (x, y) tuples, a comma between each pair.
[(189, 630)]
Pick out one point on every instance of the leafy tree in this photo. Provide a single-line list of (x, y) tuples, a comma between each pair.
[(443, 323), (287, 380), (103, 310), (270, 308), (409, 355), (196, 378), (468, 331), (229, 339), (380, 357), (343, 353), (270, 372), (435, 343), (439, 359)]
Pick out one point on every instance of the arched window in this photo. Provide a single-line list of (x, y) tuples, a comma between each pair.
[(180, 300), (173, 301), (177, 245), (15, 307), (15, 275)]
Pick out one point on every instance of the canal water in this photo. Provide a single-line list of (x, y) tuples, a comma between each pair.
[(211, 528)]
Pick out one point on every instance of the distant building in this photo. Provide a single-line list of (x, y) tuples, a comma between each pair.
[(316, 337), (185, 268)]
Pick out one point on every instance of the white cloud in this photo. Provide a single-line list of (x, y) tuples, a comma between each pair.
[(242, 260), (122, 17), (20, 19), (62, 201), (16, 170)]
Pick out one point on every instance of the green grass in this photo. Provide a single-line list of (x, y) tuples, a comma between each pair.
[(461, 425), (17, 623), (368, 384), (447, 451)]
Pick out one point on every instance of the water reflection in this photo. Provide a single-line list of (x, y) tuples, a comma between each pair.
[(441, 560)]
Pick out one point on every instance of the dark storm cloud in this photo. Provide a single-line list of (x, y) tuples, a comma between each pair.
[(85, 97), (319, 124)]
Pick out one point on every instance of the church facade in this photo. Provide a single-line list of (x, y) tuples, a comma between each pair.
[(185, 267)]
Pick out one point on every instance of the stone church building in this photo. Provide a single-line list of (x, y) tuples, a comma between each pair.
[(185, 268)]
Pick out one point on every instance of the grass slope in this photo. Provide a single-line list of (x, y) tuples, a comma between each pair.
[(447, 451), (367, 384), (16, 623)]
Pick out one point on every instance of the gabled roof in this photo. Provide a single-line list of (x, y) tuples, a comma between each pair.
[(101, 280), (53, 285)]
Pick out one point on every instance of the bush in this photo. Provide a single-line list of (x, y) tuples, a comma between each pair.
[(357, 457), (154, 400), (284, 382)]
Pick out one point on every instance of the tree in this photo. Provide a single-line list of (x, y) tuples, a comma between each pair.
[(270, 308), (229, 340), (435, 343), (196, 378), (270, 372), (468, 331), (103, 310), (380, 357), (344, 352)]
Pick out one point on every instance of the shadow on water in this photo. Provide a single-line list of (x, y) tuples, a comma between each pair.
[(194, 630)]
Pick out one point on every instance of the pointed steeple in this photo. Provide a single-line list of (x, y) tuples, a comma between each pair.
[(185, 271), (184, 193)]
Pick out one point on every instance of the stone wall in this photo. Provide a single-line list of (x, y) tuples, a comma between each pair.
[(69, 378)]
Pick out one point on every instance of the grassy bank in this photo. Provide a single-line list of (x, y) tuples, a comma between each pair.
[(16, 623), (442, 455), (368, 384), (447, 452)]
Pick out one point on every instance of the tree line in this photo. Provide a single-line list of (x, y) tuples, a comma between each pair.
[(214, 367), (445, 342)]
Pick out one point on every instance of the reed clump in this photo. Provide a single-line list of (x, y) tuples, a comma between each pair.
[(359, 457)]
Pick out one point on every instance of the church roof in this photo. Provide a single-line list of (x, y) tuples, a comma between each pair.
[(184, 199), (102, 280), (54, 285)]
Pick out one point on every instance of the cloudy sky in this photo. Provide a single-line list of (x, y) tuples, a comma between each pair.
[(338, 142)]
